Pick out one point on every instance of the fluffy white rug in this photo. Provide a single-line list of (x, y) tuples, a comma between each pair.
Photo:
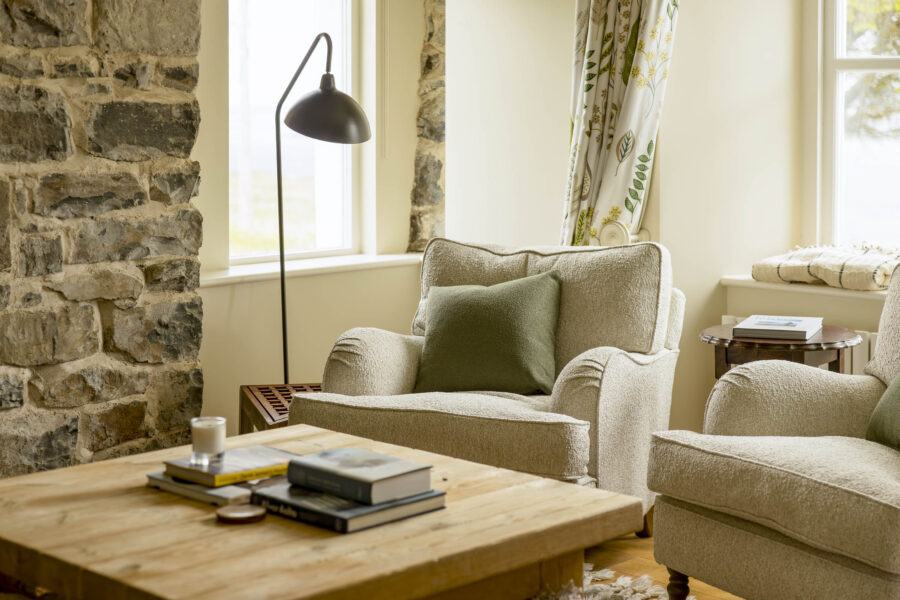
[(604, 585)]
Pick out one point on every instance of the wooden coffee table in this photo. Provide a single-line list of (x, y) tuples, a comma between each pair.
[(95, 531)]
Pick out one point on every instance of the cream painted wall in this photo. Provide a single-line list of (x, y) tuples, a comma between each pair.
[(241, 324), (728, 164), (508, 79), (242, 335), (726, 180)]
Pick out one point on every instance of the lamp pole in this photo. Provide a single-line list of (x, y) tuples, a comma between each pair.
[(284, 333), (325, 114)]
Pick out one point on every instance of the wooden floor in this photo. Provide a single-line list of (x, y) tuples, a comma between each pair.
[(633, 556)]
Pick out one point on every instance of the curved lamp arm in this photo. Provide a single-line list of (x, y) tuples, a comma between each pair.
[(284, 336)]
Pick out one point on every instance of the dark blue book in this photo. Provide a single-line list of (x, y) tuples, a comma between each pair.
[(360, 475), (340, 514)]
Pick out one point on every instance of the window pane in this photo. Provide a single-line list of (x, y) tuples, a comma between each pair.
[(867, 206), (267, 41), (872, 27)]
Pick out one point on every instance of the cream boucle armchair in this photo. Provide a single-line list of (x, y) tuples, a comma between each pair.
[(782, 497), (617, 343)]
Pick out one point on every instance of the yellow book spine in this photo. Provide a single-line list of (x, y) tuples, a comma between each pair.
[(229, 478)]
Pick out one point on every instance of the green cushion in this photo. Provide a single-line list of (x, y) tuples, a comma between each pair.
[(499, 338), (884, 424)]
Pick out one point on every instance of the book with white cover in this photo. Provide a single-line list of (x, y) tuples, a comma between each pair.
[(778, 327)]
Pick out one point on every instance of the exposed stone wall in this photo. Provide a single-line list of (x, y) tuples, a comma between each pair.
[(427, 216), (100, 320)]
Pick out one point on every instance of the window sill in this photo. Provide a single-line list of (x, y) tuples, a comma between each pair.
[(746, 281), (303, 267)]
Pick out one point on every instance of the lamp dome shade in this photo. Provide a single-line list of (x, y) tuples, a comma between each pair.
[(329, 115)]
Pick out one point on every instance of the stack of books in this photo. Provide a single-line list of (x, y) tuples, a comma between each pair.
[(349, 489), (227, 481), (345, 490)]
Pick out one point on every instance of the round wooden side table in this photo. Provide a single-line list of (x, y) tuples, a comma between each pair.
[(827, 346)]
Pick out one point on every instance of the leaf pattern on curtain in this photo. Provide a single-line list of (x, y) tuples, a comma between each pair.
[(622, 53)]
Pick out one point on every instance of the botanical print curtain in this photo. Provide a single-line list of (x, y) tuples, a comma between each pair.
[(622, 53)]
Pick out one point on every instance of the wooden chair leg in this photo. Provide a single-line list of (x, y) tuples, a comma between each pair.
[(678, 587), (647, 531)]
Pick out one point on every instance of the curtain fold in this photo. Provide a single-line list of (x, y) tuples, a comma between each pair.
[(621, 64)]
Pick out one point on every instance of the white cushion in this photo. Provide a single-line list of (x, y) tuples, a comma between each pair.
[(503, 430), (610, 296), (838, 494)]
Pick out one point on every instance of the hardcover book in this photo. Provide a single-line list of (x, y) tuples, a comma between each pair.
[(778, 328), (238, 493), (239, 464), (340, 514), (360, 475)]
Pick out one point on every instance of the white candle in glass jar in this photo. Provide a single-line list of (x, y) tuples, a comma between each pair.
[(208, 435)]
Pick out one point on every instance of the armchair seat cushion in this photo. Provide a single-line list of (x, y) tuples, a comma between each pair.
[(500, 429), (838, 494)]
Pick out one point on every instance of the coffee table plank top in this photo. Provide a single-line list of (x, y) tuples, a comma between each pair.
[(95, 531)]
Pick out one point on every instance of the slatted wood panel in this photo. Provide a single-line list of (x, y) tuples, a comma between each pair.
[(267, 406), (95, 531)]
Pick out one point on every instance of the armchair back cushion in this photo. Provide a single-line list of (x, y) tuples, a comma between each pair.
[(609, 296), (885, 365)]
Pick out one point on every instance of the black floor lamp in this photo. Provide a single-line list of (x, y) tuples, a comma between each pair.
[(324, 114)]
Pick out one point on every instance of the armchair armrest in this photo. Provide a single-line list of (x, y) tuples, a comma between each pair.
[(625, 396), (375, 362), (781, 398)]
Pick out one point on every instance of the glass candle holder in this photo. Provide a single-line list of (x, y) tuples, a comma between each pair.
[(208, 439)]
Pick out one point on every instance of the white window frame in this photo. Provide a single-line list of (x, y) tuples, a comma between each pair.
[(833, 31), (350, 41)]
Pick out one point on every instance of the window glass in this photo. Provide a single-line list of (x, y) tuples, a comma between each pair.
[(867, 205), (267, 41), (872, 27)]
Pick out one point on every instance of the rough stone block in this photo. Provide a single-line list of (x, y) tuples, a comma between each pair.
[(44, 23), (179, 398), (162, 332), (4, 296), (97, 87), (66, 195), (113, 424), (141, 130), (89, 381), (136, 75), (99, 284), (161, 27), (21, 66), (114, 239), (176, 186), (12, 391), (35, 441), (431, 120), (179, 77), (75, 66), (182, 275), (5, 250), (424, 225), (34, 125), (40, 255), (31, 299), (427, 184), (44, 337)]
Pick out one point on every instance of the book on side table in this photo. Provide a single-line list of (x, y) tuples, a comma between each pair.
[(778, 328)]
